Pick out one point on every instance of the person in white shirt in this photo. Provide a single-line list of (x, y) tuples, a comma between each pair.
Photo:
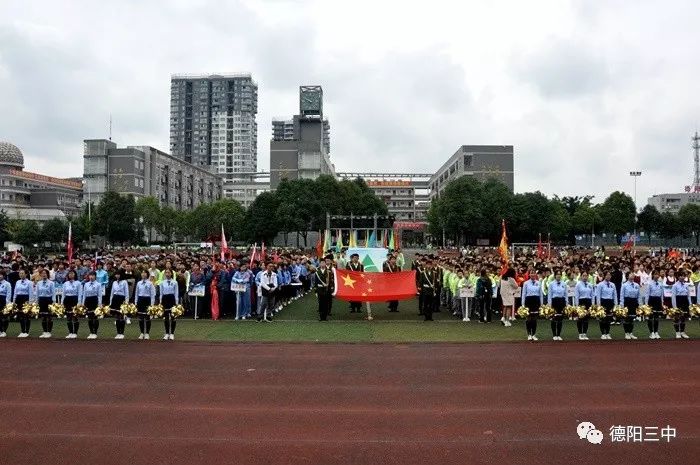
[(268, 286)]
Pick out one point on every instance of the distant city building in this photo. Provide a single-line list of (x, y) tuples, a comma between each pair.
[(674, 202), (406, 195), (145, 171), (32, 196), (212, 122), (246, 189), (300, 147), (481, 161)]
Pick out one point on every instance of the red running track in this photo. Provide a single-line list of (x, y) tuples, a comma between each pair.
[(106, 402)]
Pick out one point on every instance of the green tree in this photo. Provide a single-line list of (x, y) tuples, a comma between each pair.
[(4, 224), (115, 218), (25, 232), (165, 225), (261, 222), (689, 218), (586, 219), (54, 231), (648, 221), (618, 214), (206, 220), (149, 209), (669, 226)]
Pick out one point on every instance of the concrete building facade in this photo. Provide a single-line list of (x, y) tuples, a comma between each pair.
[(31, 196), (299, 148), (481, 161), (146, 171), (213, 122)]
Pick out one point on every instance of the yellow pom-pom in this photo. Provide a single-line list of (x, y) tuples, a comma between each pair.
[(695, 310), (102, 311), (620, 311), (570, 311), (155, 311), (523, 312), (546, 311), (581, 311), (597, 311), (79, 310), (644, 310), (9, 308), (177, 311)]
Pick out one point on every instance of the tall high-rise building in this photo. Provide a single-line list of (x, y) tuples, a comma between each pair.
[(300, 147), (212, 122)]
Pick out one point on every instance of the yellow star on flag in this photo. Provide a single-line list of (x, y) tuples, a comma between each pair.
[(369, 281), (369, 290), (348, 281)]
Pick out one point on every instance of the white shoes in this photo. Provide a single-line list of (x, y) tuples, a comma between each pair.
[(44, 335), (141, 336), (72, 336), (166, 337), (119, 336), (605, 337), (23, 335), (632, 336), (146, 336), (529, 338), (467, 319), (92, 336), (172, 337), (534, 338), (627, 336), (3, 334), (652, 335), (684, 335), (678, 335)]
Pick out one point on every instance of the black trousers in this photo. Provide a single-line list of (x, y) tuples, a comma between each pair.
[(4, 319), (71, 319), (169, 323), (653, 321), (628, 323), (324, 305), (558, 304), (46, 318), (393, 305), (533, 305), (605, 322), (428, 300), (683, 304), (91, 304), (485, 305), (355, 307), (582, 323)]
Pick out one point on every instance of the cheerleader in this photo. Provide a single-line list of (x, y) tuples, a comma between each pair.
[(583, 296), (681, 301), (24, 292), (5, 295), (144, 296), (169, 294), (532, 295), (45, 293), (606, 295), (654, 299), (556, 298), (70, 298), (630, 297), (91, 297), (120, 291), (669, 280)]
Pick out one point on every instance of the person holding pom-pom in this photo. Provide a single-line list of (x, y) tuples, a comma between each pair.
[(91, 298), (556, 298), (655, 299), (606, 296), (532, 293), (583, 296), (46, 292), (70, 298), (169, 293), (681, 301), (120, 291), (631, 298), (144, 297), (5, 297)]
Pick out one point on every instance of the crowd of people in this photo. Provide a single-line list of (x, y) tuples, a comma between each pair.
[(471, 283), (561, 278)]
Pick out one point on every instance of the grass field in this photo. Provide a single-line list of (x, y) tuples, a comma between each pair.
[(299, 322)]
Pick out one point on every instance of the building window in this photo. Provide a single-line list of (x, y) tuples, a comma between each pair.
[(467, 160)]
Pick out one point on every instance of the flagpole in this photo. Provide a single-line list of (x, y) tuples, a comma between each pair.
[(369, 311)]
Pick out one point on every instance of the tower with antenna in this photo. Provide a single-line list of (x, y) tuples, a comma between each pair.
[(696, 156)]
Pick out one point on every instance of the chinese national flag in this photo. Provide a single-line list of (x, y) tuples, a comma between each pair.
[(374, 287)]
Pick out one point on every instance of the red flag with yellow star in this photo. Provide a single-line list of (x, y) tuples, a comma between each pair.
[(374, 287)]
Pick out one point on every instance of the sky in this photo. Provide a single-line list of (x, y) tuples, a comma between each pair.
[(585, 91)]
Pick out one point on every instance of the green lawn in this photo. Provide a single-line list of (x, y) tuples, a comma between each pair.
[(299, 322)]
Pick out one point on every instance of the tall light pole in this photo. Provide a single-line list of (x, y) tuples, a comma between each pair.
[(635, 175)]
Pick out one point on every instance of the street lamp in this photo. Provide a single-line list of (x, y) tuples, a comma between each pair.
[(635, 175)]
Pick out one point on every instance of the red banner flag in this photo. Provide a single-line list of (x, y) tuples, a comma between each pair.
[(374, 287)]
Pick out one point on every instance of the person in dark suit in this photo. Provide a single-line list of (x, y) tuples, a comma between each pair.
[(390, 266), (324, 290), (355, 265), (426, 280)]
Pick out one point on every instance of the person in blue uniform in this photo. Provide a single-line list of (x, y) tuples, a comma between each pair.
[(606, 295), (91, 298), (169, 293), (117, 296), (681, 301), (630, 297), (5, 298), (243, 277), (556, 298), (583, 296), (532, 295), (45, 293), (144, 296), (70, 298), (24, 292), (654, 298)]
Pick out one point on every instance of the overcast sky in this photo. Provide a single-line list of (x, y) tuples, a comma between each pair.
[(584, 90)]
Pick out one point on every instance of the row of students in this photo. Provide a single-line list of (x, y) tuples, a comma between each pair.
[(88, 294), (605, 294)]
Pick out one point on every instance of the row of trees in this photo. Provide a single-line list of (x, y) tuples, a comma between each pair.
[(469, 209), (297, 206)]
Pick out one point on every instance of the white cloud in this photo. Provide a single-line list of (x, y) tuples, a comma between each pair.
[(585, 93)]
